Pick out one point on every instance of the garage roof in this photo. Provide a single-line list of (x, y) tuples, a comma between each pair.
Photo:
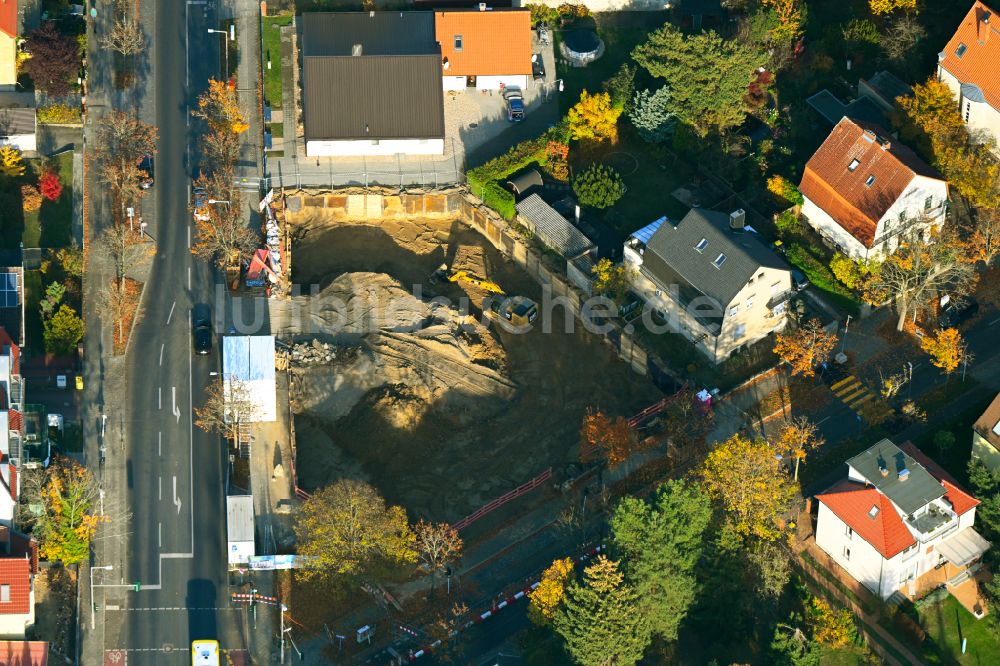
[(495, 42)]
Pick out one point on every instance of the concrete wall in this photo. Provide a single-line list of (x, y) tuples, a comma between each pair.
[(979, 116), (367, 147)]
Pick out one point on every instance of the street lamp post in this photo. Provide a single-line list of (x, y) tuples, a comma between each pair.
[(93, 603), (282, 613), (231, 34)]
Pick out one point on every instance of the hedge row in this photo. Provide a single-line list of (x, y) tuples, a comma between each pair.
[(486, 181), (59, 114)]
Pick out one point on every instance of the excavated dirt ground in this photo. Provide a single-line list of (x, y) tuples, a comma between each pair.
[(442, 453)]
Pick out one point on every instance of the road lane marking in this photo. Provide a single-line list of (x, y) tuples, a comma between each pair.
[(159, 535), (159, 397), (994, 321), (189, 277), (169, 316), (177, 500), (159, 443), (177, 410), (189, 232), (190, 356), (159, 486), (161, 354)]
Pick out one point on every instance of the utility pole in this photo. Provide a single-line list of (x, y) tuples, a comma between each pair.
[(843, 341), (282, 614)]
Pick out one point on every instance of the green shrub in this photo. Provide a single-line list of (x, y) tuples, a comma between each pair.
[(860, 31), (787, 223), (484, 181), (499, 199), (59, 114), (819, 275), (599, 186)]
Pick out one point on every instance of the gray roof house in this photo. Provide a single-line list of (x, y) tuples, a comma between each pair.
[(712, 280), (371, 84), (896, 475), (551, 228)]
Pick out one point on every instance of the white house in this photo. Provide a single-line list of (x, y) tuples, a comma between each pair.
[(897, 517), (986, 436), (11, 428), (710, 280), (17, 125), (371, 84), (484, 49), (968, 65), (864, 191)]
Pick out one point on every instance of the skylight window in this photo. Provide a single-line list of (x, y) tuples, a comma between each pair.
[(872, 512), (853, 165), (721, 259), (960, 51), (458, 42), (702, 244), (870, 181)]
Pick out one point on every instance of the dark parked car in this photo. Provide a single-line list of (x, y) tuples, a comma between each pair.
[(146, 177), (954, 313), (202, 337), (800, 280), (515, 104)]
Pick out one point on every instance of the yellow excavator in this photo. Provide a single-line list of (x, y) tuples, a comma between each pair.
[(442, 273)]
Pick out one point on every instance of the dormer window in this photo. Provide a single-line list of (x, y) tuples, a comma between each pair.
[(872, 512), (719, 260), (853, 165), (960, 51), (702, 244), (458, 42), (870, 181)]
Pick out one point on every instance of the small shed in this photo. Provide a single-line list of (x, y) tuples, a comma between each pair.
[(522, 182), (552, 229), (240, 528), (249, 361)]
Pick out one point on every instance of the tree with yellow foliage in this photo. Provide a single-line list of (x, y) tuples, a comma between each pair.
[(438, 545), (68, 520), (882, 7), (797, 437), (545, 599), (746, 479), (220, 108), (946, 349), (346, 528), (805, 348), (832, 628), (791, 17), (594, 118), (11, 163)]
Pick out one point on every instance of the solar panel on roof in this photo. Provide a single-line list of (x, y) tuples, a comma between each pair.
[(9, 296)]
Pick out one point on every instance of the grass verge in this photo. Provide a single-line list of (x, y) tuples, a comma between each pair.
[(271, 32)]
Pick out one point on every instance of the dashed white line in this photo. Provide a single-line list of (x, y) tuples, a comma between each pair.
[(189, 277), (159, 443), (159, 535), (997, 320), (161, 354), (189, 230), (159, 486), (169, 316), (159, 397)]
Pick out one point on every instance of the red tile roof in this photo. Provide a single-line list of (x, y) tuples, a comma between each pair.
[(24, 653), (494, 43), (16, 572), (830, 184), (15, 421), (852, 502), (978, 63), (8, 17), (959, 498)]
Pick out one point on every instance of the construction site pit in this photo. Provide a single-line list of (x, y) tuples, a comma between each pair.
[(439, 412)]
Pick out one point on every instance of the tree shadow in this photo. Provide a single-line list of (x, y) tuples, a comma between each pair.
[(12, 224)]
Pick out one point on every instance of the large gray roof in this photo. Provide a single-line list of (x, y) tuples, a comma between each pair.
[(386, 97), (378, 33), (391, 91), (554, 229), (916, 491), (675, 246)]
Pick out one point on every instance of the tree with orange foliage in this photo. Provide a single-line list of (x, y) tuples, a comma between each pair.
[(220, 108), (594, 118), (805, 348), (68, 520), (983, 243), (798, 436), (224, 236), (610, 439), (438, 544), (545, 599), (946, 349)]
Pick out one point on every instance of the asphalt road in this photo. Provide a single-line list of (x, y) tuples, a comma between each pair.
[(174, 471)]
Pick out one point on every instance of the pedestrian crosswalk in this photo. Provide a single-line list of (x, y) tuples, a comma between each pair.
[(854, 394)]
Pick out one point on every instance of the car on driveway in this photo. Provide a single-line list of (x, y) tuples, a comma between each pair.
[(800, 280), (202, 337), (200, 204), (514, 101)]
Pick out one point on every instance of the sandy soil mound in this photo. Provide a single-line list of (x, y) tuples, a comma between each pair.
[(411, 356)]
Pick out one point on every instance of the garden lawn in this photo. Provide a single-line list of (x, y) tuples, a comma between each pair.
[(52, 225), (271, 29), (947, 623), (33, 332)]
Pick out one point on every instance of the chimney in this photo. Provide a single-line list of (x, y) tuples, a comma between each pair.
[(882, 468), (371, 14), (886, 145), (904, 474), (737, 220), (356, 50), (482, 7)]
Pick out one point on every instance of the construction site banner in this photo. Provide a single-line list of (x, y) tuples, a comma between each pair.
[(272, 562)]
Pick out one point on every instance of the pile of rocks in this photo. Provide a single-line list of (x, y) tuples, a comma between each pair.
[(312, 353)]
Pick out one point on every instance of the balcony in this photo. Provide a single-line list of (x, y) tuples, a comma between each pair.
[(934, 522)]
